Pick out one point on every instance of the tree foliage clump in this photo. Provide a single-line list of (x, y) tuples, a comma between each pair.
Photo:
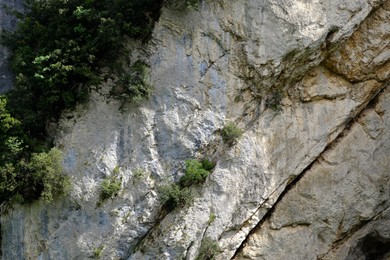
[(27, 172), (62, 48)]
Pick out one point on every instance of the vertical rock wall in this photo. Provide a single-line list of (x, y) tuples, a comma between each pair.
[(222, 63), (7, 22)]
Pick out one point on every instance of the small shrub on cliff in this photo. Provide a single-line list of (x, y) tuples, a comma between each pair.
[(173, 196), (231, 133), (109, 188), (46, 172), (208, 250), (196, 172), (274, 101)]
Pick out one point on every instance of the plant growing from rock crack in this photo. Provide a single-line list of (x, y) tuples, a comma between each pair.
[(274, 101), (208, 249), (196, 172), (173, 195), (231, 133), (110, 186), (97, 252)]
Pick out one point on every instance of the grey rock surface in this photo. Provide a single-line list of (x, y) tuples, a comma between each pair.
[(7, 22), (228, 62)]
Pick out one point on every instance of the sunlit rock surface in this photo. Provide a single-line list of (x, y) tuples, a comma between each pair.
[(309, 181)]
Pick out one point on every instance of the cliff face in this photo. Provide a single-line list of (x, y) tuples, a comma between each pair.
[(309, 181), (7, 22)]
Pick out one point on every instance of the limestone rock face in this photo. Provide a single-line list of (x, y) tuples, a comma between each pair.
[(7, 22), (308, 181)]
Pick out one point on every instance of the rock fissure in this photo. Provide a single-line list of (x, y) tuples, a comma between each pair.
[(296, 180), (299, 178)]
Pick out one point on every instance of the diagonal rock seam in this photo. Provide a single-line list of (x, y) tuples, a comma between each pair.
[(293, 182)]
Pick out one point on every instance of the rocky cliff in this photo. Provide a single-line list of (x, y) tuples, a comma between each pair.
[(307, 81)]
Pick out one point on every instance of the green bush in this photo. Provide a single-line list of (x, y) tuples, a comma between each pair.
[(10, 141), (173, 196), (194, 173), (46, 169), (231, 133), (28, 170), (40, 177), (207, 165), (97, 252), (133, 85), (109, 188), (208, 250)]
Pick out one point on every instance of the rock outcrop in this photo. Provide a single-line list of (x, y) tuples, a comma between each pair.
[(305, 182)]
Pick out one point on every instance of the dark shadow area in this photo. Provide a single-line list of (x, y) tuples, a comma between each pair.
[(371, 247)]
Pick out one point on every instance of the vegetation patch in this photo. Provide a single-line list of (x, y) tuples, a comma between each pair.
[(133, 84), (274, 101), (196, 172), (231, 133), (40, 177), (110, 186), (97, 252), (174, 195), (60, 51), (208, 250)]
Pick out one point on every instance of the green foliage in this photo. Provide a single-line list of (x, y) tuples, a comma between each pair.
[(27, 171), (98, 252), (116, 170), (46, 171), (109, 188), (40, 177), (196, 172), (212, 217), (231, 133), (274, 101), (60, 48), (207, 165), (208, 250), (10, 141), (133, 84), (173, 196)]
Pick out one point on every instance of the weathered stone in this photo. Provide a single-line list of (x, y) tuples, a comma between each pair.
[(330, 206), (367, 51), (209, 67)]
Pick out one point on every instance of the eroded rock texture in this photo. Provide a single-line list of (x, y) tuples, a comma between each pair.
[(310, 181)]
